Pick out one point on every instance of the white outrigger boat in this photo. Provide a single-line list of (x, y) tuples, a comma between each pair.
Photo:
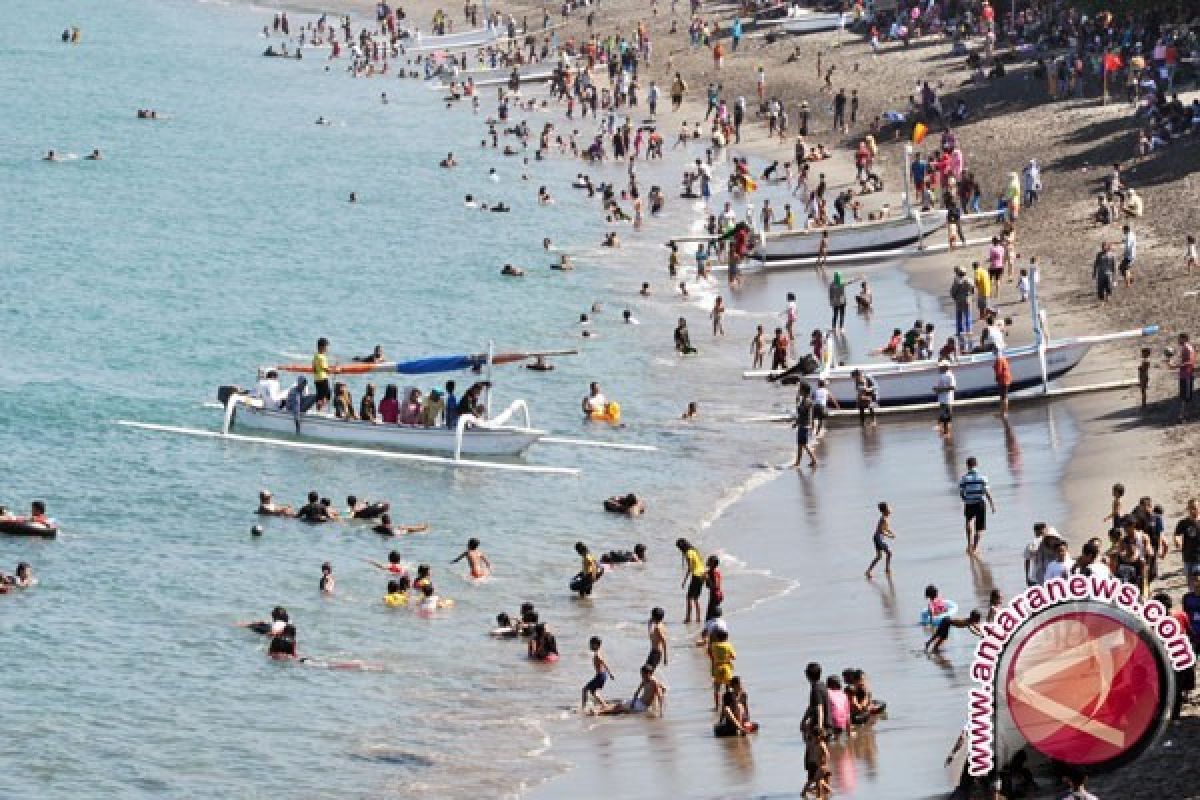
[(498, 76), (474, 441), (805, 20), (911, 383), (465, 40), (850, 239)]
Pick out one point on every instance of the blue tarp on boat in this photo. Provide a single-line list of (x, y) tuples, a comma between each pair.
[(422, 366)]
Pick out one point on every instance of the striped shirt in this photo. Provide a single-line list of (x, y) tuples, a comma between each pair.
[(972, 487)]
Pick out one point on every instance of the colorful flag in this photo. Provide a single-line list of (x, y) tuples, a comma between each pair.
[(1112, 62), (919, 131)]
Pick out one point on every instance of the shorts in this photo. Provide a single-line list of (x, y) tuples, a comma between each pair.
[(1125, 266), (654, 659), (945, 412), (695, 587), (722, 674), (977, 513), (943, 628), (1186, 388), (324, 392), (1191, 568), (596, 683), (802, 436), (881, 546)]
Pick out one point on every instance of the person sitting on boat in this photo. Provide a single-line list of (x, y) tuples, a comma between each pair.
[(366, 406), (314, 510), (375, 357), (539, 365), (629, 505), (297, 401), (949, 351), (267, 507), (37, 513), (410, 409), (389, 406), (343, 403), (269, 392), (432, 409), (473, 401), (894, 344), (387, 528)]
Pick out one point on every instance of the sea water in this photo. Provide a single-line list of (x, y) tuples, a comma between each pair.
[(219, 239)]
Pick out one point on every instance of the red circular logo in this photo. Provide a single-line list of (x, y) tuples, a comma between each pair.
[(1083, 688)]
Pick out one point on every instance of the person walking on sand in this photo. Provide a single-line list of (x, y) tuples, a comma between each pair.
[(976, 499), (717, 314), (803, 426), (1185, 364), (883, 532), (1104, 272), (1128, 255), (758, 348), (693, 578)]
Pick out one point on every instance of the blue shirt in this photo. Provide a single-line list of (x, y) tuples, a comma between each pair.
[(451, 410), (972, 487)]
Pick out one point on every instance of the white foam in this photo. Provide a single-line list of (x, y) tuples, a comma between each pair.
[(732, 495)]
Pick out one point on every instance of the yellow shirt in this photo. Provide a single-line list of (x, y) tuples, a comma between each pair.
[(695, 563), (983, 283), (395, 599), (722, 654), (320, 367)]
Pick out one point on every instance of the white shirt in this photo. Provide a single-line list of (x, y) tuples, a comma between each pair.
[(996, 335), (597, 402), (269, 392), (1059, 569), (820, 397), (1100, 570), (1036, 571), (632, 321), (944, 388)]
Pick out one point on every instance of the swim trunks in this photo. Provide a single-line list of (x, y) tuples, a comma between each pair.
[(943, 629), (881, 546), (695, 587), (977, 513), (597, 682)]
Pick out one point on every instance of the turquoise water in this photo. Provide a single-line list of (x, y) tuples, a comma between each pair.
[(219, 239)]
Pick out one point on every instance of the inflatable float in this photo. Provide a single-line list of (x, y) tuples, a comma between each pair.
[(20, 526), (931, 619)]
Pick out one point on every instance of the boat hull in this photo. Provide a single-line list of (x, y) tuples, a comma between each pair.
[(912, 383), (527, 73), (847, 240), (811, 22), (480, 37), (498, 442)]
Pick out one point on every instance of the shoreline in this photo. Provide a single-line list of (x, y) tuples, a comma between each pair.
[(1094, 463)]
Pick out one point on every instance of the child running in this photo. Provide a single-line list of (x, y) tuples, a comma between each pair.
[(476, 560), (883, 532), (603, 673)]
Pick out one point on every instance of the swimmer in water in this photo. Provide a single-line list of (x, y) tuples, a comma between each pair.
[(267, 507), (283, 645), (469, 201), (448, 162), (273, 627), (322, 121), (393, 565), (387, 528), (383, 98), (50, 156), (636, 556), (511, 271), (397, 593), (364, 509), (354, 197), (628, 318), (477, 560), (546, 244), (327, 580), (543, 646), (492, 176), (942, 634), (692, 411), (95, 156), (505, 628)]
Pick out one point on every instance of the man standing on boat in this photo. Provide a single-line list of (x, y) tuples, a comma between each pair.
[(321, 371), (973, 489)]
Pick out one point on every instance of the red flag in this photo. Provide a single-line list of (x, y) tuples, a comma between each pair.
[(1112, 62)]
